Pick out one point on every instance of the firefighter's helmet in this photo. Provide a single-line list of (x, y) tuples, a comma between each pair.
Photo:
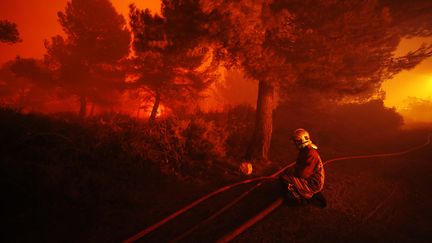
[(301, 138)]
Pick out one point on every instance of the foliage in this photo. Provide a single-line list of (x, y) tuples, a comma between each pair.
[(339, 48), (346, 48), (9, 32), (168, 62), (86, 63), (199, 146), (25, 83), (193, 148)]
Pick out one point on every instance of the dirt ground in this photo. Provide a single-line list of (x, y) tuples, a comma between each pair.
[(369, 200), (51, 194)]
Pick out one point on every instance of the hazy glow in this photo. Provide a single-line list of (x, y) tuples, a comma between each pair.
[(429, 86), (413, 83), (123, 6)]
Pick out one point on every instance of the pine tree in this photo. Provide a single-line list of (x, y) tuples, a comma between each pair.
[(86, 62)]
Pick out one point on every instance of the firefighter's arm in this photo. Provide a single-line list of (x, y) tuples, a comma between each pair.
[(286, 173), (307, 170)]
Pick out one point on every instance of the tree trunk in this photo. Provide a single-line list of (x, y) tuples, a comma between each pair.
[(138, 111), (155, 108), (21, 100), (83, 106), (92, 108), (259, 147)]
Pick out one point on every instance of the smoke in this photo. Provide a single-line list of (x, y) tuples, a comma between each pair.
[(417, 111), (232, 89), (335, 127)]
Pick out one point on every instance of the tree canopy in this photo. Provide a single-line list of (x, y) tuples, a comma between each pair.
[(86, 61), (336, 49), (9, 32), (170, 63), (25, 83)]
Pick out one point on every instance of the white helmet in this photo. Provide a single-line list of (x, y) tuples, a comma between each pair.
[(301, 138)]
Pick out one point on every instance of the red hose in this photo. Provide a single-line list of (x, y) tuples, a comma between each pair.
[(252, 221), (217, 213), (198, 201), (229, 205)]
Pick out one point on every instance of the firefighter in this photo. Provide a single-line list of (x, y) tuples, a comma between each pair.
[(303, 183)]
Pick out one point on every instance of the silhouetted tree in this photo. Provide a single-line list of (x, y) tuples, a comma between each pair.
[(169, 61), (33, 69), (410, 18), (339, 48), (347, 50), (9, 32), (25, 83), (249, 31), (12, 88), (86, 62)]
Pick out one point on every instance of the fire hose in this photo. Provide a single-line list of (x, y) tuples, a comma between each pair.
[(257, 217)]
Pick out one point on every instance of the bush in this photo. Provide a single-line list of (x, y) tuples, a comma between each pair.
[(112, 156), (197, 146)]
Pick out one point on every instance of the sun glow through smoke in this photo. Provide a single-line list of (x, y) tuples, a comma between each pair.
[(412, 84)]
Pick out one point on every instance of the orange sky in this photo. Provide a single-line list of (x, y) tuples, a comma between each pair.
[(37, 21)]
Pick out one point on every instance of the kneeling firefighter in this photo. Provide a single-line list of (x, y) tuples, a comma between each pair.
[(303, 183)]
